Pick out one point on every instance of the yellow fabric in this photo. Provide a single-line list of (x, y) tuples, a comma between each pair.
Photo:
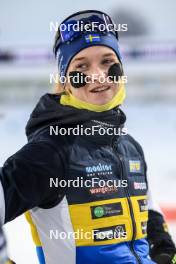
[(69, 99), (140, 217), (82, 220), (34, 232)]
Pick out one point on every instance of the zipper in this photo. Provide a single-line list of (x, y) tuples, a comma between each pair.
[(131, 244)]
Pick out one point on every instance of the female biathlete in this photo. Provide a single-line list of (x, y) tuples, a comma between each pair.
[(85, 194)]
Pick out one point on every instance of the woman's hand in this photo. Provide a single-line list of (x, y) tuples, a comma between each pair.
[(165, 258), (164, 252)]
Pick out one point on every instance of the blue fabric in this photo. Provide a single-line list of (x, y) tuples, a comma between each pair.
[(68, 50), (141, 247), (40, 255), (114, 254)]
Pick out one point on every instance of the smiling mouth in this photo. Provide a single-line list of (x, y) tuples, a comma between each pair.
[(100, 89)]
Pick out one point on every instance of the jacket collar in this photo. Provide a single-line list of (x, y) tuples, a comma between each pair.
[(49, 111)]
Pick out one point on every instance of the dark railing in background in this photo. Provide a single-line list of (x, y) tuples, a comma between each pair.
[(130, 51)]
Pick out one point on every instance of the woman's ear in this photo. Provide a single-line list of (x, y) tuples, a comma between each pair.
[(59, 88), (67, 88)]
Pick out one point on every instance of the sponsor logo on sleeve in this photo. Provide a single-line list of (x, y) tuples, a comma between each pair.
[(135, 166), (143, 205), (144, 227), (140, 185)]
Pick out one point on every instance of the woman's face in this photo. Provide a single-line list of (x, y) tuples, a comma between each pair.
[(94, 61)]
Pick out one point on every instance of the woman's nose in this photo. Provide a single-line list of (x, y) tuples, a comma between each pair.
[(97, 73)]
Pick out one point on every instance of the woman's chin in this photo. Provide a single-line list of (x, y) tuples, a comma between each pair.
[(101, 100)]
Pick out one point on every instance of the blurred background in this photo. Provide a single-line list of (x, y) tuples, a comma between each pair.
[(149, 58)]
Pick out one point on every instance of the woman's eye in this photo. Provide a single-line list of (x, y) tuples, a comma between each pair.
[(107, 61), (82, 66)]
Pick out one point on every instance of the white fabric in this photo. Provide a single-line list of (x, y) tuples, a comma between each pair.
[(56, 219), (2, 205), (152, 203)]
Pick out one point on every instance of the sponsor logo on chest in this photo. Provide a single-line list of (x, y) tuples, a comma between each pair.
[(106, 210), (99, 169)]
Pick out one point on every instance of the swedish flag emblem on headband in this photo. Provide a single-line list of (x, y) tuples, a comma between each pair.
[(92, 38)]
